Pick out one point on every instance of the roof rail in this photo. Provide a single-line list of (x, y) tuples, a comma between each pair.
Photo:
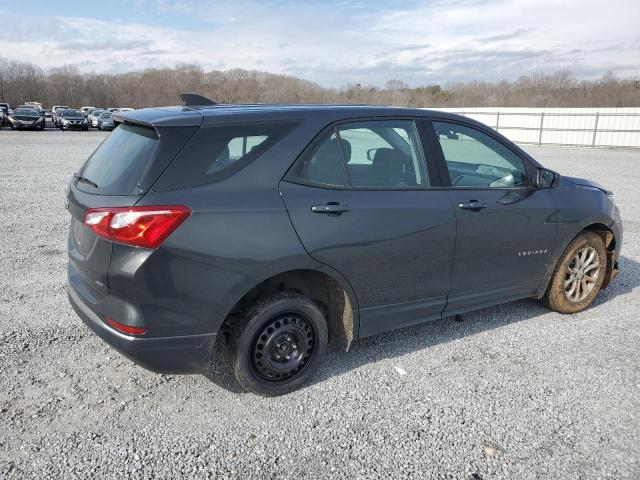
[(193, 99)]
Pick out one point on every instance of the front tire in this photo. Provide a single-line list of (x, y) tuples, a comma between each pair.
[(578, 275), (278, 344)]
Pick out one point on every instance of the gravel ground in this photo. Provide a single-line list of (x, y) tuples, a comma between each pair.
[(513, 391)]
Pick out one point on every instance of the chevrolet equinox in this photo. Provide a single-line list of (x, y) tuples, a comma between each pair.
[(279, 228)]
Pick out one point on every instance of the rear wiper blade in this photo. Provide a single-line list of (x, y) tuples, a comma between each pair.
[(80, 178)]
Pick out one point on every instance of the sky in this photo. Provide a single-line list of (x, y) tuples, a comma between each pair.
[(331, 42)]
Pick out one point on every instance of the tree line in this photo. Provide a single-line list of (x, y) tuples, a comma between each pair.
[(66, 85)]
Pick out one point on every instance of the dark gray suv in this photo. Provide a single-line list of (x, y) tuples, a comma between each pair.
[(283, 227)]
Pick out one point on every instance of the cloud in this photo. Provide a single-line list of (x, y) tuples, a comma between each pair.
[(340, 42), (507, 36)]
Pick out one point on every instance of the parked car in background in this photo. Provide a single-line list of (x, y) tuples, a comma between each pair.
[(5, 108), (93, 117), (48, 113), (36, 105), (2, 116), (27, 118), (56, 111), (105, 122), (371, 219), (73, 120), (86, 110), (125, 109)]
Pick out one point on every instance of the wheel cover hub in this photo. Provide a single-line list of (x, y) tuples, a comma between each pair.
[(283, 347)]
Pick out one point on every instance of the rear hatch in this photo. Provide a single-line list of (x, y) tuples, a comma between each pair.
[(118, 173)]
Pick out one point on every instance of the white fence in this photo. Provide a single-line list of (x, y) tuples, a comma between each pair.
[(584, 127)]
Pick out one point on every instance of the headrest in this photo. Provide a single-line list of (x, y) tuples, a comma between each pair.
[(388, 165)]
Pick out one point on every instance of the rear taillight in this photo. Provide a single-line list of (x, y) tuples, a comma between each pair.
[(128, 329), (145, 227)]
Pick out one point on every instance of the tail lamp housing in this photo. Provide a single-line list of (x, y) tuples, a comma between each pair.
[(140, 226)]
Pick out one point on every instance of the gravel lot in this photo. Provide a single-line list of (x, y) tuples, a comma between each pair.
[(513, 391)]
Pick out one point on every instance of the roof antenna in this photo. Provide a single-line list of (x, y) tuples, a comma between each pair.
[(193, 99)]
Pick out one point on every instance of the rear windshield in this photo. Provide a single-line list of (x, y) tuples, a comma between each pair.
[(217, 152), (118, 163)]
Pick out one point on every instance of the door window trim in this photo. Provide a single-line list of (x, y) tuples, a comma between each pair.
[(429, 162), (443, 170)]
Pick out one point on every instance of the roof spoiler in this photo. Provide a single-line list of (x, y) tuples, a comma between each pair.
[(193, 99)]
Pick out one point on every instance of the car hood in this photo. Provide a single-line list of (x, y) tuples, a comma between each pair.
[(26, 118), (587, 183)]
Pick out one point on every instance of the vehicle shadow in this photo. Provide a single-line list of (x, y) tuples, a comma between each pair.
[(406, 340)]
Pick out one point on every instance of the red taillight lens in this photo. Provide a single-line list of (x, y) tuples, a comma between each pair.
[(121, 327), (145, 227)]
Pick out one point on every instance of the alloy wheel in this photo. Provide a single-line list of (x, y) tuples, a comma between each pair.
[(582, 274)]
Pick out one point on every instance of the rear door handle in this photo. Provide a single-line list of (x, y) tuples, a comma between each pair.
[(331, 208), (472, 205)]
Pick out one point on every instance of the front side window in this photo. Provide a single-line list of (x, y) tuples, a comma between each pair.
[(474, 159), (370, 154)]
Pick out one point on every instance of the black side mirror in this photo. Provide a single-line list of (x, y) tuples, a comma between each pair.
[(545, 178)]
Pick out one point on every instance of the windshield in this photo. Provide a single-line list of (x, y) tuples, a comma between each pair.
[(72, 113), (96, 113), (26, 111), (105, 115)]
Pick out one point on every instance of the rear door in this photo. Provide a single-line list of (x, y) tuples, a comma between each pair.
[(505, 225), (361, 201), (115, 175)]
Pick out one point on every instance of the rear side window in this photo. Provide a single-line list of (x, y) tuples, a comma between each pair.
[(375, 154), (216, 152), (324, 165), (117, 164)]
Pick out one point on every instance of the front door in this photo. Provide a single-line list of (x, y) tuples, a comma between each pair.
[(505, 225), (361, 202)]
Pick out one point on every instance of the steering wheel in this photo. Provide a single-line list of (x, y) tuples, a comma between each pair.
[(505, 181), (457, 180)]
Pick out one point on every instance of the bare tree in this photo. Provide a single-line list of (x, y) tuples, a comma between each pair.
[(65, 85)]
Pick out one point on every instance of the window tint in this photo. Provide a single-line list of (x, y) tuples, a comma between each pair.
[(474, 159), (118, 163), (383, 154), (324, 163), (218, 151)]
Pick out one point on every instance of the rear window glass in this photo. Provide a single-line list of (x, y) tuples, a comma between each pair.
[(118, 163), (216, 152)]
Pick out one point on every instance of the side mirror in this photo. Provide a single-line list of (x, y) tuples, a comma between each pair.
[(371, 153), (545, 178)]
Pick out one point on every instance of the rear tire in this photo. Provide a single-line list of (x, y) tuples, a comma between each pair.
[(278, 344), (578, 275)]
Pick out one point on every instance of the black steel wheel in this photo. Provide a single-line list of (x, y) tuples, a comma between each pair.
[(283, 347), (278, 344)]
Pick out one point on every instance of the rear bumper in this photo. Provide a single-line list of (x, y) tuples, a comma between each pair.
[(184, 354)]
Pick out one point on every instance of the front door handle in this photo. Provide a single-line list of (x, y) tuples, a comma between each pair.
[(330, 208), (472, 205)]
